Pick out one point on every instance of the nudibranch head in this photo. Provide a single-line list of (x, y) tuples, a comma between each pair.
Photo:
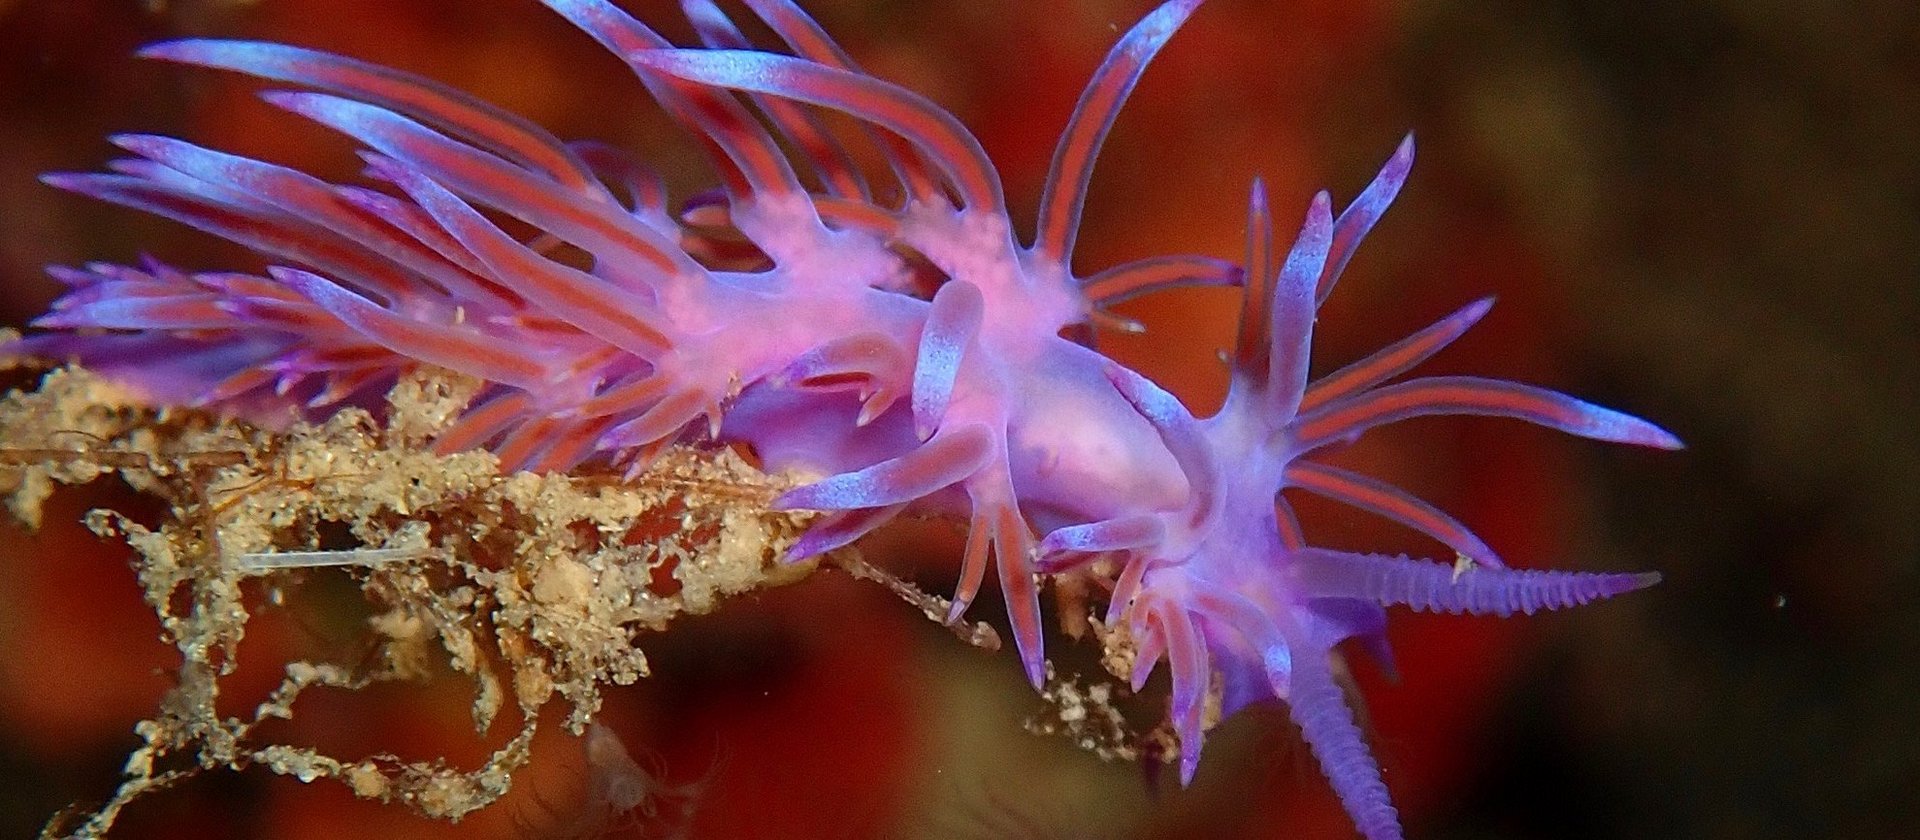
[(1226, 588)]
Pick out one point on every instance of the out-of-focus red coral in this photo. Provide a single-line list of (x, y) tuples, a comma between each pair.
[(827, 748), (80, 656)]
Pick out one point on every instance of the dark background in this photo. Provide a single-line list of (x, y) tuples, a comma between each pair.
[(1704, 212)]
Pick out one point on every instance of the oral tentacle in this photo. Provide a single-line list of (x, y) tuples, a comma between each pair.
[(944, 460), (840, 529), (953, 320)]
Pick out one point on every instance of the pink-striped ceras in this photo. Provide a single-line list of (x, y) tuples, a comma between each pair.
[(789, 318)]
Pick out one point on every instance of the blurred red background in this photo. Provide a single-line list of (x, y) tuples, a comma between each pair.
[(1697, 212)]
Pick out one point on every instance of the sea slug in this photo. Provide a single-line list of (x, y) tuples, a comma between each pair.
[(890, 331)]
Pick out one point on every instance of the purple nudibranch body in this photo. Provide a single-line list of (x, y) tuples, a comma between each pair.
[(825, 350)]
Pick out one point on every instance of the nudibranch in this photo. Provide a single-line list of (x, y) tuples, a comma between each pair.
[(891, 332)]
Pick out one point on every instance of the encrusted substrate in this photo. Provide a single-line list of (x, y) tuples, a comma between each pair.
[(535, 586)]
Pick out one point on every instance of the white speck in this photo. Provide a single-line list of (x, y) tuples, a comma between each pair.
[(1462, 564)]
